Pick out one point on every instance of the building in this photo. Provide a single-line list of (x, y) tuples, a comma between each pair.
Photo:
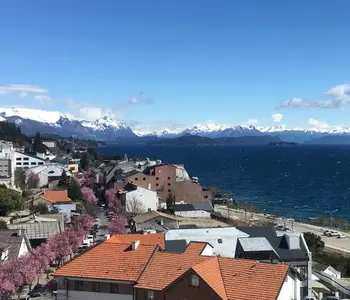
[(265, 244), (38, 228), (48, 173), (46, 156), (6, 149), (25, 161), (59, 200), (137, 200), (5, 170), (154, 220), (170, 180), (49, 143), (202, 209), (117, 269), (13, 244)]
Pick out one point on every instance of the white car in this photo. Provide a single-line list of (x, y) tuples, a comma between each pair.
[(90, 238), (341, 236)]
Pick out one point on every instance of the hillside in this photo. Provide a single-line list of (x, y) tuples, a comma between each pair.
[(10, 132)]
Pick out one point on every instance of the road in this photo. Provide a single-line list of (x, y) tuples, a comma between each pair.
[(342, 245)]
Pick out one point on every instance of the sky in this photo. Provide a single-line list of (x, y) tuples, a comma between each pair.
[(169, 64)]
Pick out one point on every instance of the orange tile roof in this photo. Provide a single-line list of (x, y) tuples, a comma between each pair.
[(56, 196), (195, 248), (145, 239), (114, 261), (249, 279), (209, 271), (165, 267)]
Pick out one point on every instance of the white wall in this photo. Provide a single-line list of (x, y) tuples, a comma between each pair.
[(207, 251), (290, 289), (66, 209), (23, 249), (147, 198), (193, 214), (329, 272), (81, 295)]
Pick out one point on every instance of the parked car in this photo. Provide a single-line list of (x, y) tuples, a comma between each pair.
[(341, 236), (330, 298), (309, 298)]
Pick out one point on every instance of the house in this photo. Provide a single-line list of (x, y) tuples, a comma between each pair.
[(6, 150), (154, 220), (202, 209), (265, 244), (38, 228), (59, 200), (141, 270), (137, 199), (46, 156), (13, 244), (48, 173), (170, 180), (5, 172)]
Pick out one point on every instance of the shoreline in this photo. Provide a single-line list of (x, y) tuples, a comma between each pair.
[(332, 243)]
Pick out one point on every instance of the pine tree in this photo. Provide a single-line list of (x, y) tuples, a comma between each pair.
[(63, 181)]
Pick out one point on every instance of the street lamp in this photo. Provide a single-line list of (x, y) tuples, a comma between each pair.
[(274, 204), (331, 216), (300, 208)]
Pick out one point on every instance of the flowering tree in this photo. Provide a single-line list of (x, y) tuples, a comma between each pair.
[(17, 273), (117, 223), (88, 195), (33, 180), (89, 178)]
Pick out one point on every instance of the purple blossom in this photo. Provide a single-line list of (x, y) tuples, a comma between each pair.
[(88, 195)]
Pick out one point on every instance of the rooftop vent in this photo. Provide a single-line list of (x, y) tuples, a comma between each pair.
[(135, 244)]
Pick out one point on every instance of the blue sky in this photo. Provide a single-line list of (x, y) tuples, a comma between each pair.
[(171, 63)]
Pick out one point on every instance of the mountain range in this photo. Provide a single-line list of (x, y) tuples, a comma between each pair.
[(105, 129)]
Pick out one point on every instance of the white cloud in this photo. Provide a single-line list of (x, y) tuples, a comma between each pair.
[(133, 100), (91, 113), (43, 99), (277, 117), (317, 124), (23, 94), (339, 96), (252, 122), (21, 88)]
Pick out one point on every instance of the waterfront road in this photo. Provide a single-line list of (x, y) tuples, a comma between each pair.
[(341, 245)]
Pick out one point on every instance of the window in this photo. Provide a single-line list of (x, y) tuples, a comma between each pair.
[(157, 178), (18, 164), (150, 295), (78, 285), (33, 163), (18, 158), (220, 241), (194, 281), (26, 163), (144, 178), (40, 163), (157, 184), (169, 184), (136, 179), (114, 288), (169, 191), (95, 287), (25, 158), (168, 178)]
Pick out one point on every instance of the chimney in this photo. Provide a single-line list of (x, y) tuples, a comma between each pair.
[(293, 240), (135, 244), (19, 232)]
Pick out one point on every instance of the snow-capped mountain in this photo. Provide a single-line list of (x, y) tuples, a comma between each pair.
[(52, 122)]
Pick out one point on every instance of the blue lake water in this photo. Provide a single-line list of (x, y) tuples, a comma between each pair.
[(316, 176)]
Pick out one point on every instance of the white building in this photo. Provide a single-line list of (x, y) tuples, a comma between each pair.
[(48, 173), (6, 149), (137, 199), (49, 144), (13, 244), (46, 156)]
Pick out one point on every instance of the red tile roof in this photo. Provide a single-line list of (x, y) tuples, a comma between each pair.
[(114, 261), (145, 239), (195, 248), (56, 196)]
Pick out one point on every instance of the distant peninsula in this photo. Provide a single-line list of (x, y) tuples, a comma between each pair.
[(195, 140), (283, 143)]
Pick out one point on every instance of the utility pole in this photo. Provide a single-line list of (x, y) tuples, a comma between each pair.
[(300, 208), (331, 216)]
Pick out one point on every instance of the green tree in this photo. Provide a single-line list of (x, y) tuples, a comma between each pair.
[(20, 178), (41, 208), (74, 191), (63, 181), (314, 242), (84, 161), (170, 204), (38, 146), (9, 200)]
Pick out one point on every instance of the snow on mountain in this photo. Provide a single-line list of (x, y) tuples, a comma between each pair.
[(52, 122)]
